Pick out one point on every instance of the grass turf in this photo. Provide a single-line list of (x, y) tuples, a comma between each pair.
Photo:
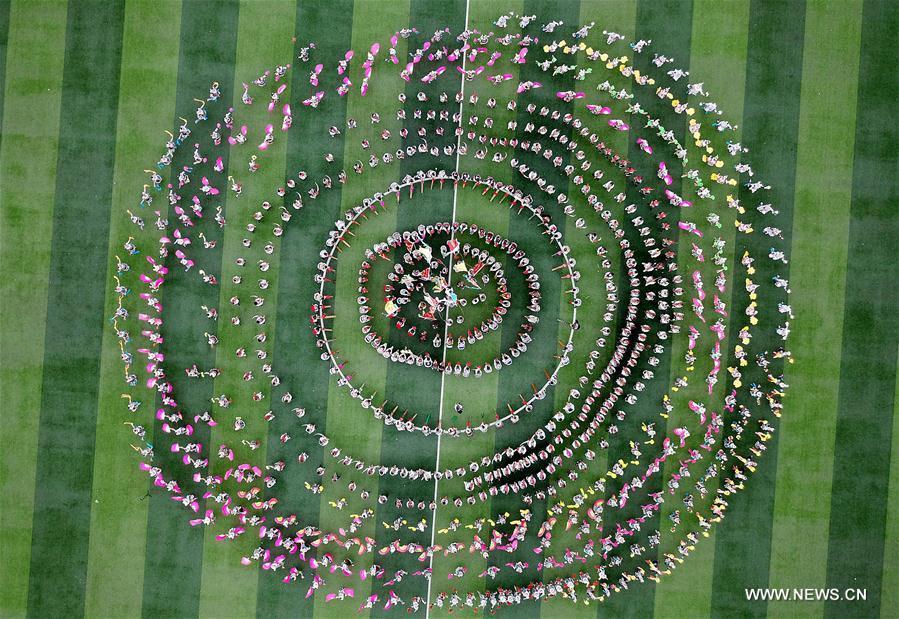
[(751, 548)]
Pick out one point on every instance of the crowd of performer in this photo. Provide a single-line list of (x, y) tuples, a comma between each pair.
[(422, 301)]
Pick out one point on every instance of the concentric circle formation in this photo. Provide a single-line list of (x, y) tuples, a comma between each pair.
[(547, 350)]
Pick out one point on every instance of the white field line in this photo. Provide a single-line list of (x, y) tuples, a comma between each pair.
[(449, 278)]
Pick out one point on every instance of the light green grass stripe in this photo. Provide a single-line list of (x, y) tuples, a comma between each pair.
[(355, 431), (818, 280), (620, 17), (889, 596), (718, 59), (263, 40), (35, 53), (118, 518)]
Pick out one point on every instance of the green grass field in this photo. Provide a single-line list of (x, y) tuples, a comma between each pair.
[(90, 85)]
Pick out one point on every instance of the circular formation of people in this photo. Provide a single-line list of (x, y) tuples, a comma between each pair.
[(665, 378)]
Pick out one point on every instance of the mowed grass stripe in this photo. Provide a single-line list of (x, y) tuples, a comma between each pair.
[(617, 140), (264, 33), (820, 239), (74, 322), (529, 367), (172, 569), (32, 92), (476, 393), (296, 358), (353, 430), (770, 131), (620, 18), (889, 594), (669, 26), (868, 370), (717, 59), (416, 388), (117, 539)]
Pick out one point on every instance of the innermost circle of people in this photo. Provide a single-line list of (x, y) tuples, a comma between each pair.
[(425, 280)]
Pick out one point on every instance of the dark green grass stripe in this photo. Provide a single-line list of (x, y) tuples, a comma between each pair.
[(669, 26), (38, 36), (4, 44), (718, 58), (119, 511), (74, 324), (478, 396), (818, 278), (770, 129), (264, 40), (175, 550), (544, 346), (410, 386), (863, 460), (419, 388), (296, 355), (528, 368), (353, 431), (623, 20)]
